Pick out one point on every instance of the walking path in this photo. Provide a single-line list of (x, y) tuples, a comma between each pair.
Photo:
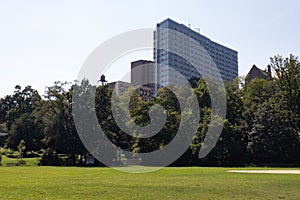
[(266, 171)]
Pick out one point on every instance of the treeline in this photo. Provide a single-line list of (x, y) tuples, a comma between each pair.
[(262, 125)]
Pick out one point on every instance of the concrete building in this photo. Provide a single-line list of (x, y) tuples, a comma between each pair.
[(142, 71), (186, 41), (120, 87)]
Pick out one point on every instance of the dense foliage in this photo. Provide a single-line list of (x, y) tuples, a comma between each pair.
[(262, 125)]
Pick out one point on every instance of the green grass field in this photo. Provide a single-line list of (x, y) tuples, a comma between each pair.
[(13, 161), (168, 183)]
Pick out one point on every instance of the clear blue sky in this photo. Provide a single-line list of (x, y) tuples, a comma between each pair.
[(45, 41)]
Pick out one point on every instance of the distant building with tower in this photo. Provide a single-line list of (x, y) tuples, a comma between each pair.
[(102, 80)]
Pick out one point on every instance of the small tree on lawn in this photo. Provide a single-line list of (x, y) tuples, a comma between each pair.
[(21, 150)]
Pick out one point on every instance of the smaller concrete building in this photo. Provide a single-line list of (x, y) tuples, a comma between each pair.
[(120, 87), (142, 71), (144, 91)]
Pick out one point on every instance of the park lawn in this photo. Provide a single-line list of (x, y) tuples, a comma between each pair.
[(13, 161), (168, 183)]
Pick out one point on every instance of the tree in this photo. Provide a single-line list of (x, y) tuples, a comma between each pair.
[(26, 128), (275, 138), (6, 104), (230, 149), (20, 122), (21, 150), (23, 101), (50, 158), (59, 128), (271, 114), (288, 78)]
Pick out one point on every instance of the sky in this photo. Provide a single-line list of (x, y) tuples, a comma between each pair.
[(46, 41)]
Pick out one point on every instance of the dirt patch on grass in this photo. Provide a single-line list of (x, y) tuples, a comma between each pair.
[(266, 171)]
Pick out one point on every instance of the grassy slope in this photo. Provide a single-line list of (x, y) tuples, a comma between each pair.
[(168, 183)]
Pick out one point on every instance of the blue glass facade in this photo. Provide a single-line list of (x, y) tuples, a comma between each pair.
[(225, 59)]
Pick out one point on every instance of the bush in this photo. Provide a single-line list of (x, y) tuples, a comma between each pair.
[(31, 154), (3, 151), (50, 158), (14, 155), (70, 160), (10, 151), (21, 162)]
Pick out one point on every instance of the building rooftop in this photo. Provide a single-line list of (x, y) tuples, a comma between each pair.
[(255, 72), (194, 32)]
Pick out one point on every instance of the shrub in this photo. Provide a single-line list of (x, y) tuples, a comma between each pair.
[(3, 151), (31, 154), (50, 158), (14, 155)]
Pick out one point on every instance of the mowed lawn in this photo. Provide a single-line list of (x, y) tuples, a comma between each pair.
[(168, 183)]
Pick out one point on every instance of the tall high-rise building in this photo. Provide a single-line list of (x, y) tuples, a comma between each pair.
[(178, 48)]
